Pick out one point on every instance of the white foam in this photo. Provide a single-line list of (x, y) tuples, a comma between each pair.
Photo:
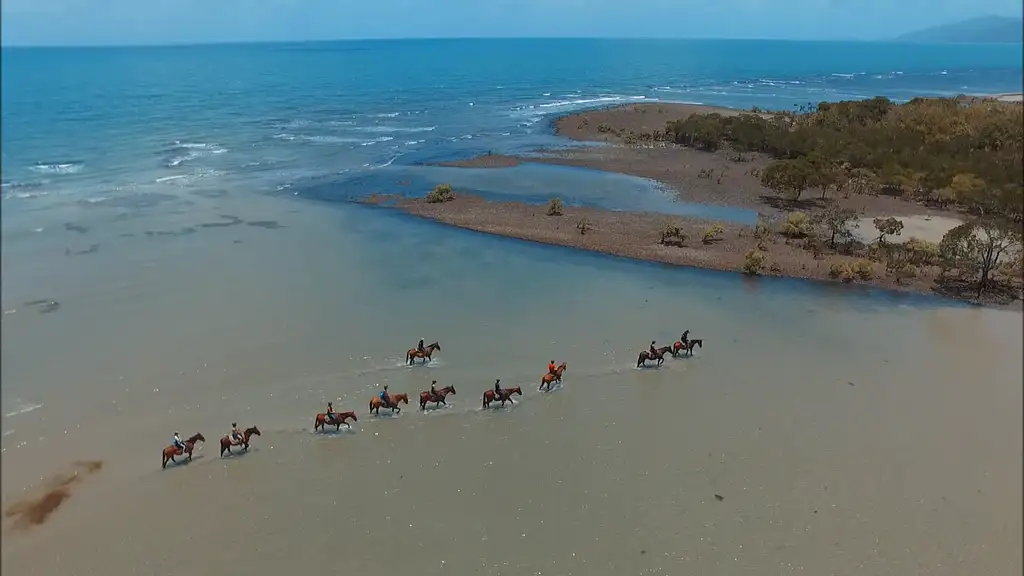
[(22, 408), (58, 168), (389, 129)]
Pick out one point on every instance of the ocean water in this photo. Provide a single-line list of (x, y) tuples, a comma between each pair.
[(190, 210)]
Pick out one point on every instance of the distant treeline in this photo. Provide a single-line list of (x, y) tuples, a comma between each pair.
[(938, 150)]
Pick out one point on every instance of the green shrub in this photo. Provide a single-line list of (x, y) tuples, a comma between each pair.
[(840, 271), (797, 225), (441, 193), (863, 269), (713, 233), (673, 235), (584, 225), (555, 207), (921, 252), (753, 262)]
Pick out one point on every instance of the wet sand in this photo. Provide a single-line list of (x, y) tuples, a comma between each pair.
[(736, 460)]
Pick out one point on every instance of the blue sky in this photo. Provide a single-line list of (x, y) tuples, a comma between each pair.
[(106, 22)]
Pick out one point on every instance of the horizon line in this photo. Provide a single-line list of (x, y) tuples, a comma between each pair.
[(188, 44)]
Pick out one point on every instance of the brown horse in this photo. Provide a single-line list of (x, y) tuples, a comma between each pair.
[(170, 452), (550, 378), (506, 397), (659, 355), (321, 421), (413, 354), (680, 348), (376, 403), (226, 443), (437, 399)]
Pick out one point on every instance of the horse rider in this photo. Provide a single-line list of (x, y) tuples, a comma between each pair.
[(420, 347), (236, 436), (552, 369), (330, 412), (685, 339), (433, 390), (498, 392), (177, 443), (653, 350), (385, 398)]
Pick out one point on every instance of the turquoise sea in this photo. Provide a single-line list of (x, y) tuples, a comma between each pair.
[(181, 251)]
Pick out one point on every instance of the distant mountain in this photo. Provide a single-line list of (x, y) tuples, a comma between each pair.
[(990, 29)]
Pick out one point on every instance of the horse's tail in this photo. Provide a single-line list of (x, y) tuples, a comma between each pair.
[(483, 404)]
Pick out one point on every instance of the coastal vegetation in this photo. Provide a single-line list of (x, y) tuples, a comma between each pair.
[(948, 153), (555, 207), (441, 193)]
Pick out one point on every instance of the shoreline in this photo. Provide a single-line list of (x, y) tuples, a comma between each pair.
[(720, 178), (636, 236)]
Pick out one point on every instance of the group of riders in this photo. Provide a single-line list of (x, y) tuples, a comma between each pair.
[(385, 398), (684, 340), (236, 438)]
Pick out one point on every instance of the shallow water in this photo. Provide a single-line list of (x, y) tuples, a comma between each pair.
[(846, 430)]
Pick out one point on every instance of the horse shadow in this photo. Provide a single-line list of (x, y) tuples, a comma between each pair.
[(343, 431), (237, 452), (184, 462)]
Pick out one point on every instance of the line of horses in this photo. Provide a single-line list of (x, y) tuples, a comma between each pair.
[(683, 346)]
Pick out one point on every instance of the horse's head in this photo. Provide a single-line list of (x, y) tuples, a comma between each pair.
[(435, 346), (450, 389), (352, 415), (197, 438), (516, 390), (254, 431), (562, 367), (664, 349), (401, 398), (698, 343)]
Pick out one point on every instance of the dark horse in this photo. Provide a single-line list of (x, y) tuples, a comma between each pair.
[(170, 452), (321, 421), (548, 379), (437, 399), (226, 443), (506, 396), (659, 355), (680, 348), (413, 353), (376, 403)]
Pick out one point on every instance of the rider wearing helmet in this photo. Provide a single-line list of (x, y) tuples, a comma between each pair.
[(177, 443), (236, 436), (433, 390), (552, 369), (385, 398), (330, 412), (498, 392)]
